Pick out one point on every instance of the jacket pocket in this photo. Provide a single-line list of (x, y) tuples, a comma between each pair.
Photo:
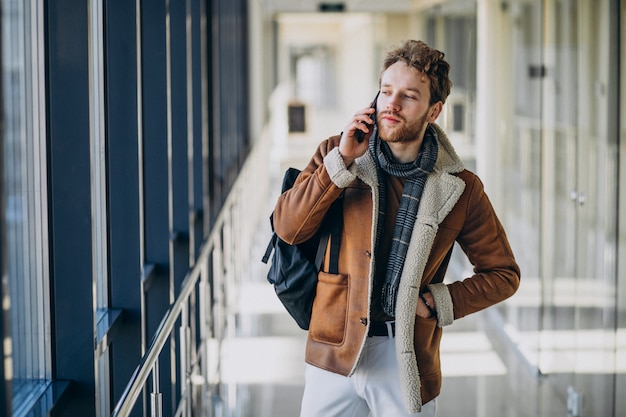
[(426, 341), (328, 320)]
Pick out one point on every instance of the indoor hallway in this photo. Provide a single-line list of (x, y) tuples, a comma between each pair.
[(135, 193)]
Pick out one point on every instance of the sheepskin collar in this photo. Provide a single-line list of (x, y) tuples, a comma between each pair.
[(447, 160)]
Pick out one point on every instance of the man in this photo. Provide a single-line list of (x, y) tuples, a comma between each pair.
[(373, 341)]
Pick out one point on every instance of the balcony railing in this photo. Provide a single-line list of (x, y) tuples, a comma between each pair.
[(200, 313)]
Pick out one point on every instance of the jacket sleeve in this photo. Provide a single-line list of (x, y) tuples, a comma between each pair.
[(483, 239), (300, 210)]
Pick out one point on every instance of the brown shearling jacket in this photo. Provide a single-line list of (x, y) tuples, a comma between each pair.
[(454, 207)]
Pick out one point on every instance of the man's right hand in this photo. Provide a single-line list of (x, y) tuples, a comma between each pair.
[(349, 147)]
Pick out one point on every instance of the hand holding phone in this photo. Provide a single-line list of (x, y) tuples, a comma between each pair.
[(359, 134)]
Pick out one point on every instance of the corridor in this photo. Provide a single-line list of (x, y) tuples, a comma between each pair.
[(142, 149)]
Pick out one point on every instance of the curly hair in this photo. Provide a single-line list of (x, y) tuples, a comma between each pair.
[(430, 61)]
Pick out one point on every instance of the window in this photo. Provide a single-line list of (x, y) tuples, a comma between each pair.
[(25, 185)]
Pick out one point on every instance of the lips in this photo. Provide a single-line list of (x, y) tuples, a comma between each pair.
[(389, 118)]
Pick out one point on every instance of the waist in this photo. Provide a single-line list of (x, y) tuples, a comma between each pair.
[(387, 328)]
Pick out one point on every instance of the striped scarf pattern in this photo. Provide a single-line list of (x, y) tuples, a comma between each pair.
[(416, 173)]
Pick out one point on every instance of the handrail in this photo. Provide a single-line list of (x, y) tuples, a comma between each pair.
[(141, 373), (244, 182)]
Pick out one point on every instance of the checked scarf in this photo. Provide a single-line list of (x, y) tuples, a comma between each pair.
[(415, 173)]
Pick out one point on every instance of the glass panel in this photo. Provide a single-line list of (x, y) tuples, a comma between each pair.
[(559, 185), (25, 187), (98, 157), (596, 267), (99, 196), (521, 173), (620, 401), (458, 119)]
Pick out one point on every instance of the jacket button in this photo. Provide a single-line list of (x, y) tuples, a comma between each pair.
[(368, 254), (363, 321)]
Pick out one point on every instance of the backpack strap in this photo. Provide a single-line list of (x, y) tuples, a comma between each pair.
[(321, 248), (332, 231), (336, 224), (270, 248), (288, 179)]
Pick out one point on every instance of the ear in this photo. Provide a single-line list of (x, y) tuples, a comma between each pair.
[(434, 111)]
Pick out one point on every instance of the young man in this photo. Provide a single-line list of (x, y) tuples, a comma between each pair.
[(373, 341)]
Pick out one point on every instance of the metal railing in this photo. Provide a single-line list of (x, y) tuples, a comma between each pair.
[(216, 271)]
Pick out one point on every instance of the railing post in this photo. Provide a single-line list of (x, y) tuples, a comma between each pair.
[(199, 386), (218, 286), (204, 316), (185, 369), (156, 398)]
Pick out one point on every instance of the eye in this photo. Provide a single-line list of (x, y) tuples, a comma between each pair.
[(409, 97)]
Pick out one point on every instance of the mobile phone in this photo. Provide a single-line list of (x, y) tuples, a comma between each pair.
[(359, 134)]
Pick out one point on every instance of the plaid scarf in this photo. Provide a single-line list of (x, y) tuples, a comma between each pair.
[(415, 173)]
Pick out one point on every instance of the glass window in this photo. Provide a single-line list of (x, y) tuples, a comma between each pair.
[(98, 196), (98, 158), (25, 188)]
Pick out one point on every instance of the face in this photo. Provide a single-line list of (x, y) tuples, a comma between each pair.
[(403, 105)]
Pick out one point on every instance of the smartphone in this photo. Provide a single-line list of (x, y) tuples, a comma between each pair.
[(359, 134)]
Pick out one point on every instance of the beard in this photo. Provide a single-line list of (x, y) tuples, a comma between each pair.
[(405, 132)]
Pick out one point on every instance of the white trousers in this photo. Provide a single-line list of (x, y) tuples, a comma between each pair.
[(373, 388)]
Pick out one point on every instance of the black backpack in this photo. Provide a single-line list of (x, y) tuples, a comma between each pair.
[(294, 268)]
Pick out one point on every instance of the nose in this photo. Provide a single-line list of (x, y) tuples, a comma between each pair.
[(392, 102)]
